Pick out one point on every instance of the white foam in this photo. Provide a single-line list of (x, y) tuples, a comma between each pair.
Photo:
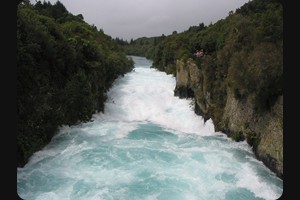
[(148, 95), (110, 129), (250, 180), (90, 161)]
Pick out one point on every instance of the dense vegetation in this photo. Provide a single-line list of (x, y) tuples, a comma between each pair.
[(142, 46), (64, 69), (243, 52)]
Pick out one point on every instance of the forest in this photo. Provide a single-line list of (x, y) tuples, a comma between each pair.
[(243, 52), (64, 69)]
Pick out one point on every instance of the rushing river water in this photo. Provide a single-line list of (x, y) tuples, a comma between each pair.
[(147, 145)]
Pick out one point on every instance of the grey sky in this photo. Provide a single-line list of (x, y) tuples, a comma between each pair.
[(137, 18)]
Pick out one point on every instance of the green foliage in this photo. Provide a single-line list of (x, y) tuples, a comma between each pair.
[(78, 98), (64, 68), (263, 70), (142, 46), (57, 11), (243, 53)]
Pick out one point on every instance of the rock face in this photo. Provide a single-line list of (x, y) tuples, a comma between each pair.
[(238, 119), (187, 79), (264, 131)]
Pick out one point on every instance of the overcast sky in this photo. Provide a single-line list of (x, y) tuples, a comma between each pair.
[(137, 18)]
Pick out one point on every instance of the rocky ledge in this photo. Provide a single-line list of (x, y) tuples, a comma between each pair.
[(238, 119)]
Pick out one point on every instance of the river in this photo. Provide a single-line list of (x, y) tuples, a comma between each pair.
[(148, 144)]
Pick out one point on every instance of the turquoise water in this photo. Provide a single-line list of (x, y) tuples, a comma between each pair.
[(147, 145)]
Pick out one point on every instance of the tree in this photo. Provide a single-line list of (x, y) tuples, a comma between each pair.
[(80, 16), (63, 70)]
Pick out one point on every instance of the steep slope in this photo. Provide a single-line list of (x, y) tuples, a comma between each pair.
[(64, 68), (239, 118)]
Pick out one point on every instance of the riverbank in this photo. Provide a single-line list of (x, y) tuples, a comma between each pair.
[(239, 119)]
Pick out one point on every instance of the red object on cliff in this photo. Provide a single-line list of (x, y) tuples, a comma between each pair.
[(199, 53)]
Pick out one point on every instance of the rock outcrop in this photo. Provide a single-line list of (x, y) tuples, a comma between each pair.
[(187, 79), (237, 118)]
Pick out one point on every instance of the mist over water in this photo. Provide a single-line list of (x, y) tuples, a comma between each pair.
[(147, 145)]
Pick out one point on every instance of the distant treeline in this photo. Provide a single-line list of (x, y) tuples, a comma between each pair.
[(243, 52), (64, 69)]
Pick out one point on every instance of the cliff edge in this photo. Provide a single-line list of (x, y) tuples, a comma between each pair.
[(238, 118)]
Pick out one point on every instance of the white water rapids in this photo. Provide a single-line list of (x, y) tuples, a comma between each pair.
[(147, 145)]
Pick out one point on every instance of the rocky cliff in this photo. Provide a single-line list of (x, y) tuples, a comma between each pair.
[(238, 118)]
